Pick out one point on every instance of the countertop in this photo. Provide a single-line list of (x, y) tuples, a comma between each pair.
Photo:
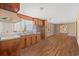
[(14, 36)]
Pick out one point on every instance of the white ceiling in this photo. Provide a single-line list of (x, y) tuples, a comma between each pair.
[(53, 12)]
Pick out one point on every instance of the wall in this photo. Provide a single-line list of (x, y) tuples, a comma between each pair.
[(71, 28), (78, 31), (60, 28), (50, 30), (56, 28), (0, 27)]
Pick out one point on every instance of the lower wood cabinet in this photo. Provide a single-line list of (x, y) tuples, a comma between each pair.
[(29, 40), (13, 46), (38, 37), (34, 39), (9, 47), (22, 42)]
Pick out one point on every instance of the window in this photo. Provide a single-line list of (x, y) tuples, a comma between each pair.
[(24, 25)]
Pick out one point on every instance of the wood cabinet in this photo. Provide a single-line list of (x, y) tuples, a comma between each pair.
[(45, 29), (22, 42), (38, 37), (38, 22), (29, 40), (34, 39), (25, 17), (9, 47), (14, 7), (13, 46)]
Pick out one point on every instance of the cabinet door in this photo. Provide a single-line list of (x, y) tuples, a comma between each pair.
[(22, 42), (41, 23), (33, 39), (8, 47), (38, 38), (36, 21), (29, 40), (45, 22)]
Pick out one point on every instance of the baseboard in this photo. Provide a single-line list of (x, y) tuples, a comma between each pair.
[(50, 35), (71, 34)]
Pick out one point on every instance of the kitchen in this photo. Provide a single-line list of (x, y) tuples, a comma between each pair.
[(28, 29), (18, 31)]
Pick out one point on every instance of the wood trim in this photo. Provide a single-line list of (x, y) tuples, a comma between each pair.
[(76, 28), (25, 17)]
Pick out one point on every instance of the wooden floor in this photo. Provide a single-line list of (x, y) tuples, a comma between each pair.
[(56, 45)]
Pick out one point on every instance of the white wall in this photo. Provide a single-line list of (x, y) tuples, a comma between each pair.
[(78, 31), (0, 27), (71, 28), (50, 30)]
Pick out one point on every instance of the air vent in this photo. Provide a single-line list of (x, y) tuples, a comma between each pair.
[(7, 19), (4, 18)]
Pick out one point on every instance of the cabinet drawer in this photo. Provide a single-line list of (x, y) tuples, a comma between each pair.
[(22, 42)]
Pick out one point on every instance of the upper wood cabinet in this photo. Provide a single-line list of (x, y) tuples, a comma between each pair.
[(35, 21), (41, 22), (25, 17), (45, 22), (14, 7), (38, 22)]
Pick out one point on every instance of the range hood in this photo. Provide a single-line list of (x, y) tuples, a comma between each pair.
[(7, 16)]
